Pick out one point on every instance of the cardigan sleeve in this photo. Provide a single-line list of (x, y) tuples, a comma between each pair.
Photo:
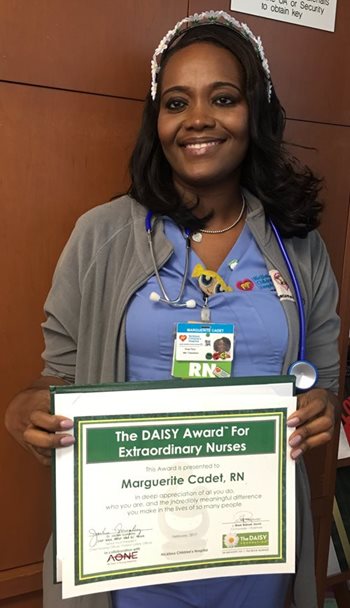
[(322, 330), (61, 309), (63, 303)]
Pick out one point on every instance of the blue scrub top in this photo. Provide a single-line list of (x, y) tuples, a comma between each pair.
[(261, 331), (261, 336)]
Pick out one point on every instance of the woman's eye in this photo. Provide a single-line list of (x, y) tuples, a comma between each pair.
[(224, 100), (175, 104)]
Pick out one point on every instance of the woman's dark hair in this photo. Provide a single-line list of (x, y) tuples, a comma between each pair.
[(287, 190)]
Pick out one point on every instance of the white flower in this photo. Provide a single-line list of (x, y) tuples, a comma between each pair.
[(211, 15), (234, 22), (231, 540), (153, 90), (162, 47), (269, 91), (248, 31), (265, 65)]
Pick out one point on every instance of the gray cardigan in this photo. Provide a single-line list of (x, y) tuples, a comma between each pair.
[(106, 260)]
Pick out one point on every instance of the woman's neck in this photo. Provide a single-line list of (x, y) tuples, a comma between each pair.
[(224, 201)]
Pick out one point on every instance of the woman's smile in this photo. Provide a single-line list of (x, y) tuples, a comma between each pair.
[(202, 147)]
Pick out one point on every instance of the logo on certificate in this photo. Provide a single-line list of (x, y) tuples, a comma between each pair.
[(248, 539)]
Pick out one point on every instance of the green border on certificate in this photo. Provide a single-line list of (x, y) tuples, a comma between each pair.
[(94, 444)]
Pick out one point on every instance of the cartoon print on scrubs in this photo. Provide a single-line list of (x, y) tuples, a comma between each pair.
[(259, 349), (209, 281)]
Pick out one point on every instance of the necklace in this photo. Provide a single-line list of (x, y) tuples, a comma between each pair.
[(197, 236)]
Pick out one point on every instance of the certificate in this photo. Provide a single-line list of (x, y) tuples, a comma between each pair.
[(174, 481)]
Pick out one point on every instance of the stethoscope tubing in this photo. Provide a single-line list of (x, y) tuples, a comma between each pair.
[(148, 225), (297, 290)]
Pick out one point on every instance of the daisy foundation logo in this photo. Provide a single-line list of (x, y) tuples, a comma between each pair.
[(245, 539)]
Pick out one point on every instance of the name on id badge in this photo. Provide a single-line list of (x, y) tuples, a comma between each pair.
[(203, 350)]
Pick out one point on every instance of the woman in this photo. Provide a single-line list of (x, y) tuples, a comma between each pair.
[(209, 162)]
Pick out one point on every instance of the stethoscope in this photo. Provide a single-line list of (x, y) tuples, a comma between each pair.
[(304, 371), (154, 296)]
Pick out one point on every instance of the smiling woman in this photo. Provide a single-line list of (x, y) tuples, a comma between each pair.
[(209, 174), (203, 119)]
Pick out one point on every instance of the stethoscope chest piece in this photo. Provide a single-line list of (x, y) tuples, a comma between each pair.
[(305, 374)]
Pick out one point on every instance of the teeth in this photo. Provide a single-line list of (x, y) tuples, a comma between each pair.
[(202, 145)]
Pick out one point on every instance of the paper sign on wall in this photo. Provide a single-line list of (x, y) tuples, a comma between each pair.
[(319, 14)]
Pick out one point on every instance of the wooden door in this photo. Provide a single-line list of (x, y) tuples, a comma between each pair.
[(73, 76)]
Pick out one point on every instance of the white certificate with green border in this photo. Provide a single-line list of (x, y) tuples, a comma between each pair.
[(174, 481)]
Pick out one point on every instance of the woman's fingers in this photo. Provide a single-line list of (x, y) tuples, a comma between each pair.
[(314, 424), (29, 421), (41, 435), (313, 421), (42, 439), (47, 431), (48, 422)]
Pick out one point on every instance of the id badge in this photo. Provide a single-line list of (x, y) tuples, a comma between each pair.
[(203, 350)]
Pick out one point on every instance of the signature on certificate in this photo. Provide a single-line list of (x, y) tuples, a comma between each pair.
[(117, 533), (245, 519)]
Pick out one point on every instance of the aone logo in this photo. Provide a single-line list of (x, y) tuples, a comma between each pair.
[(120, 557)]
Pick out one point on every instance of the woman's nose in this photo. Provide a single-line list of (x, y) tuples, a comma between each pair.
[(199, 117)]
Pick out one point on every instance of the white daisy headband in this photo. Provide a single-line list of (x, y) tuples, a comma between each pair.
[(208, 18)]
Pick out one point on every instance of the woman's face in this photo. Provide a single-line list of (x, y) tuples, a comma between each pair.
[(221, 346), (203, 118)]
